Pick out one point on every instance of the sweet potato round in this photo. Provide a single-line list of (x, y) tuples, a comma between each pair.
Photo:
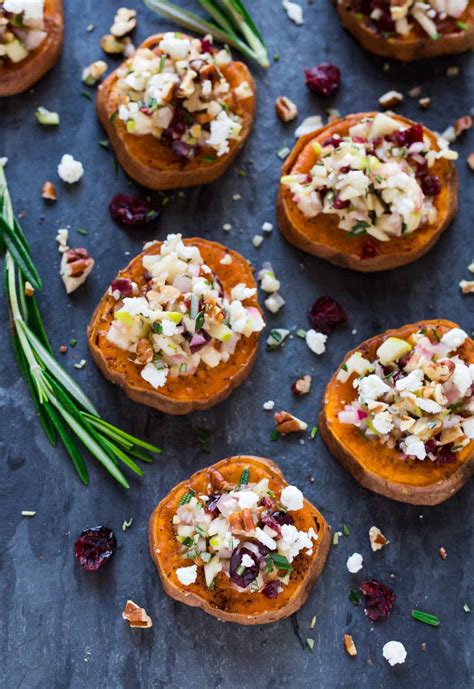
[(417, 45), (374, 465), (321, 235), (150, 162), (225, 602), (184, 394), (19, 76)]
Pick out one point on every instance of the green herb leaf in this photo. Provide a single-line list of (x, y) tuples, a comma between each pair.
[(187, 497), (275, 435), (203, 438), (425, 617), (281, 562), (354, 597), (244, 477), (87, 95), (199, 322), (345, 530), (314, 432)]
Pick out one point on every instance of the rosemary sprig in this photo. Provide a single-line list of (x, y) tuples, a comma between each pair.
[(232, 24), (64, 410)]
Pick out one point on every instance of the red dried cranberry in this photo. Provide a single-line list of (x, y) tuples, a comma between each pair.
[(339, 204), (267, 502), (369, 249), (132, 210), (419, 163), (206, 45), (124, 286), (430, 185), (95, 547), (431, 445), (183, 150), (384, 22), (325, 313), (323, 79), (446, 455), (379, 599), (248, 574), (359, 139), (272, 589), (406, 137), (333, 140)]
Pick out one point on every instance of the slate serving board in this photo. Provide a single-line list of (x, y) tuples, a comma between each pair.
[(61, 627)]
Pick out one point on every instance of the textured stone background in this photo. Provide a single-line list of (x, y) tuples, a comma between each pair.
[(61, 627)]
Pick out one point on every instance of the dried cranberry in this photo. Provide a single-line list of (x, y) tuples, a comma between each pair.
[(379, 599), (359, 139), (272, 589), (183, 150), (177, 126), (419, 163), (446, 455), (271, 522), (430, 185), (206, 45), (323, 79), (369, 249), (431, 445), (339, 204), (325, 313), (124, 286), (406, 137), (249, 574), (267, 502), (384, 22), (132, 210), (333, 140), (283, 518), (94, 547)]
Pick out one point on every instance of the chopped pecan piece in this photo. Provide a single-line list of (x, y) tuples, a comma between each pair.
[(424, 102), (285, 109), (440, 371), (136, 616), (76, 265), (210, 73), (247, 519), (462, 124), (467, 286), (48, 191), (114, 46), (236, 523), (442, 553), (390, 99), (287, 423), (302, 386), (349, 645), (144, 351), (377, 539), (29, 289), (470, 160)]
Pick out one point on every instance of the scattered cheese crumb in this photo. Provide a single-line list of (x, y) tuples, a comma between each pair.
[(127, 524), (294, 11), (316, 341), (227, 227), (274, 302), (268, 406), (81, 364), (70, 170), (236, 197), (267, 227), (471, 267), (226, 261), (257, 240), (28, 513), (394, 652), (354, 563), (452, 71), (62, 239), (187, 575)]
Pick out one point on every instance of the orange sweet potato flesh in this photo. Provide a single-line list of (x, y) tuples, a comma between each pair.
[(153, 164), (376, 466), (183, 394), (416, 45), (225, 602), (321, 235), (19, 76)]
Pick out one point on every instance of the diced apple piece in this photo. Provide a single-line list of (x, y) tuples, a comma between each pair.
[(383, 125), (220, 332), (211, 570), (16, 51), (355, 364), (392, 350)]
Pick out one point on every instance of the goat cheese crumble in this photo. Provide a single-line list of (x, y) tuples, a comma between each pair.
[(394, 652), (69, 169)]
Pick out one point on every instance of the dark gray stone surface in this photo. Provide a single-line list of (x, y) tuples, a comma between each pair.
[(61, 628)]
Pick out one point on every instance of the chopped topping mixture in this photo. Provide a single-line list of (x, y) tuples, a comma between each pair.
[(376, 179), (179, 94), (416, 396), (430, 17), (21, 28), (244, 531), (181, 318)]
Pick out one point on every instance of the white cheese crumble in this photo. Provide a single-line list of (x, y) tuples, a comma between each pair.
[(316, 341), (257, 239), (294, 11), (292, 498), (187, 575), (268, 406), (394, 652), (354, 563), (69, 169)]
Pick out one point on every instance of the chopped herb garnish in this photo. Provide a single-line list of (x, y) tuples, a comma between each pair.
[(203, 438), (199, 322), (88, 95), (162, 63), (359, 229), (113, 116), (183, 368), (188, 541), (244, 477), (310, 644), (462, 25), (314, 432), (275, 435), (157, 327), (436, 335), (354, 597), (281, 562), (335, 538), (344, 367), (301, 333), (208, 159), (466, 608), (345, 530), (312, 624), (187, 497), (104, 143), (276, 57), (425, 617), (72, 342), (81, 230), (242, 173)]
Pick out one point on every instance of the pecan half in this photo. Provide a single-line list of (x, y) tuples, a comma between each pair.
[(377, 539), (217, 480), (287, 423), (349, 645), (285, 109), (136, 616), (440, 371)]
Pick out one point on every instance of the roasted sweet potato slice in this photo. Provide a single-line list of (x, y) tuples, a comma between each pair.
[(150, 161), (321, 235), (224, 600), (416, 45), (183, 394), (19, 76), (375, 465)]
